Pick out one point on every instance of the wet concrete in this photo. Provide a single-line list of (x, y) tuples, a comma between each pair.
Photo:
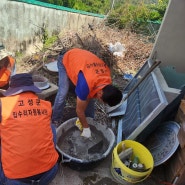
[(79, 147)]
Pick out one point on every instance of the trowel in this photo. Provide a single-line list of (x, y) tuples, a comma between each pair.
[(123, 104), (96, 147)]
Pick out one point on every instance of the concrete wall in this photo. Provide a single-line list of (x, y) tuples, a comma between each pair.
[(170, 42), (21, 23)]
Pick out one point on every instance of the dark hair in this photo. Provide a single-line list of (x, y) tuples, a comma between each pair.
[(111, 95)]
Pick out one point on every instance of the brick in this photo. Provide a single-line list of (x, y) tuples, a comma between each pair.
[(180, 117), (181, 135), (182, 154), (180, 179), (48, 92), (174, 165)]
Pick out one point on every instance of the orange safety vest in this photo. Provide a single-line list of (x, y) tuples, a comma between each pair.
[(96, 72), (26, 136), (6, 67)]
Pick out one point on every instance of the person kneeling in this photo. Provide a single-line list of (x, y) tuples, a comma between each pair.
[(28, 153)]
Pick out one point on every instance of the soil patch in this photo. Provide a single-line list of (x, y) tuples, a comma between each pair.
[(96, 40)]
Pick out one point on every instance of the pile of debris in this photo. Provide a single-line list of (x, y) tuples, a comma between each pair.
[(99, 40)]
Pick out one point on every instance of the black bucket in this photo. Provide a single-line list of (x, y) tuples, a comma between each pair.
[(84, 164)]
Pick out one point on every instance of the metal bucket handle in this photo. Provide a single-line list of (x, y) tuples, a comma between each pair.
[(65, 160)]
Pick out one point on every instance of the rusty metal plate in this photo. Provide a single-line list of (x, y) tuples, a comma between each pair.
[(163, 142)]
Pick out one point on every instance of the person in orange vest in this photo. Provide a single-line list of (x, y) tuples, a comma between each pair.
[(7, 69), (92, 79), (28, 139)]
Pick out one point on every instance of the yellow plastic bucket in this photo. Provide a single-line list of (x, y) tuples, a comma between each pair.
[(121, 172)]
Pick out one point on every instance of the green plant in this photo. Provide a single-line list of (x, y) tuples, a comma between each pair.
[(18, 54), (157, 11), (129, 16), (50, 41), (46, 39), (45, 34), (134, 15)]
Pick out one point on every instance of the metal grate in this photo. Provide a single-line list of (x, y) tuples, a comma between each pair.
[(143, 105)]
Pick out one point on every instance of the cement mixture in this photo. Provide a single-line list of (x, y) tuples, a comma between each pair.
[(73, 144)]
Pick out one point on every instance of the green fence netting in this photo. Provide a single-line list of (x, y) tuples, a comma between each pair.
[(48, 5)]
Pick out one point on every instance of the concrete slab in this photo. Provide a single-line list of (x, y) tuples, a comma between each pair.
[(48, 92), (101, 175)]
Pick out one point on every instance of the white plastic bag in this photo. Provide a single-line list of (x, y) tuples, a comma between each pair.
[(117, 49)]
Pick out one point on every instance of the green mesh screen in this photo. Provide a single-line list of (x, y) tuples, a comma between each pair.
[(38, 3)]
